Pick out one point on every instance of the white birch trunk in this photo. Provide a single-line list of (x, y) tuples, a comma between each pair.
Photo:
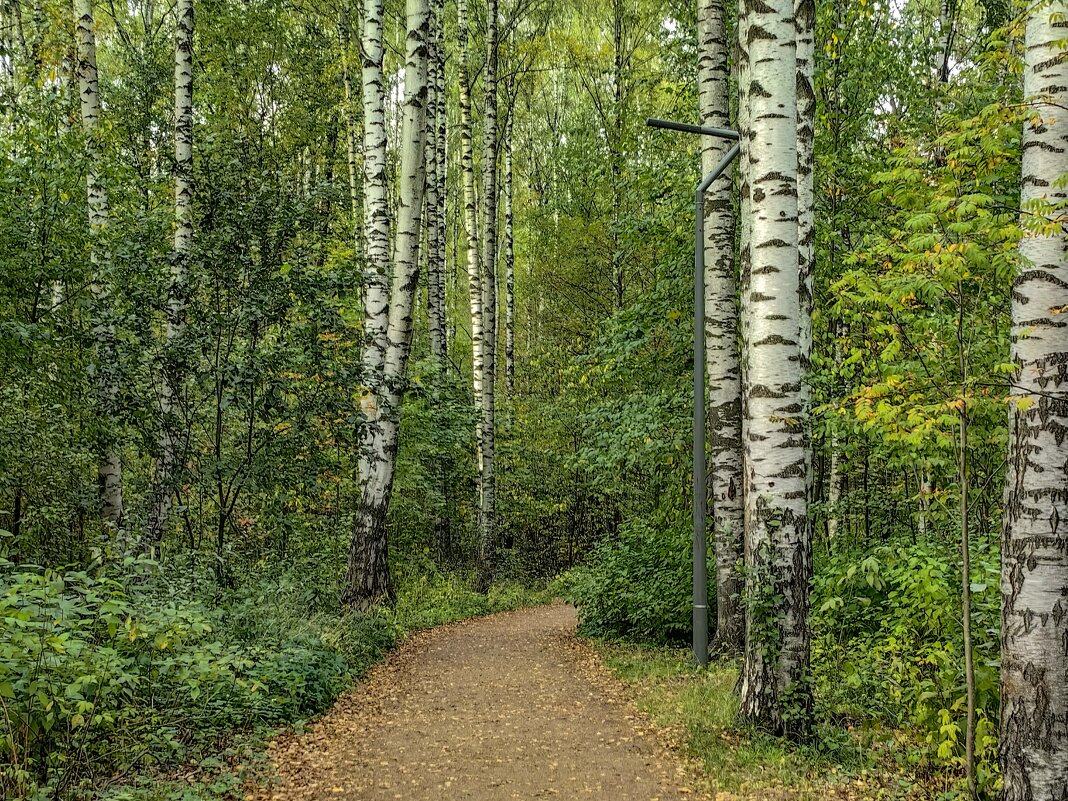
[(773, 690), (474, 273), (106, 358), (488, 516), (1034, 566), (805, 24), (721, 331), (165, 485), (509, 266), (351, 126), (389, 308), (435, 190)]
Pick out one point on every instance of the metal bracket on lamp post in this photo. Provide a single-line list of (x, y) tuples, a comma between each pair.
[(700, 472)]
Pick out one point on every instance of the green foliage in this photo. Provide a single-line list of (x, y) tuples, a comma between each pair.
[(636, 584), (888, 644), (104, 672)]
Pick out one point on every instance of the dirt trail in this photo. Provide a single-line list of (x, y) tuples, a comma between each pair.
[(504, 707)]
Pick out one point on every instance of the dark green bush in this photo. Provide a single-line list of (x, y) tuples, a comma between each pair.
[(110, 672), (888, 645), (636, 585)]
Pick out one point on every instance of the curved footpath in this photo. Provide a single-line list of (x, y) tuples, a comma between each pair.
[(510, 706)]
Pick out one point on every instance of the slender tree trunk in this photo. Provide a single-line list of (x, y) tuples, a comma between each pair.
[(966, 556), (106, 365), (805, 25), (174, 367), (509, 266), (351, 132), (434, 187), (721, 333), (488, 517), (390, 295), (440, 139), (474, 272), (1034, 561), (774, 690)]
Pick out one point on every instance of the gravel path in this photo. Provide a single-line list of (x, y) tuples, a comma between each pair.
[(503, 707)]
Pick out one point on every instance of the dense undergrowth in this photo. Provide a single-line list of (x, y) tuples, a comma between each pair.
[(110, 679), (887, 659)]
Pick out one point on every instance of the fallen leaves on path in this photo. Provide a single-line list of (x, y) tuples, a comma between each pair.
[(511, 706)]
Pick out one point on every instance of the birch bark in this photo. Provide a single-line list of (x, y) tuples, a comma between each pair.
[(106, 367), (474, 272), (488, 516), (165, 484), (773, 690), (388, 308), (1034, 562), (721, 332), (435, 189), (509, 266)]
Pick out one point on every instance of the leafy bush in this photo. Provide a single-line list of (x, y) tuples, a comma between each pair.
[(636, 585), (103, 672), (888, 645)]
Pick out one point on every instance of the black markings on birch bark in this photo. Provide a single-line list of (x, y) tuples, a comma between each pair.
[(721, 332), (509, 264), (106, 367), (474, 273), (389, 308), (488, 483), (774, 688), (436, 187), (1034, 562), (173, 367)]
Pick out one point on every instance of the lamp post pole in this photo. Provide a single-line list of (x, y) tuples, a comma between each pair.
[(700, 471)]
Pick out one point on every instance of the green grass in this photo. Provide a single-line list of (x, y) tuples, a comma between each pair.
[(702, 706)]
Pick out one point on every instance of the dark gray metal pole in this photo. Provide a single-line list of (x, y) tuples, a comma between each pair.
[(685, 127), (700, 469)]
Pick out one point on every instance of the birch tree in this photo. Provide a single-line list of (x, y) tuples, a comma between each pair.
[(171, 380), (488, 484), (389, 295), (1034, 567), (474, 273), (509, 264), (105, 365), (773, 689), (436, 186), (721, 331)]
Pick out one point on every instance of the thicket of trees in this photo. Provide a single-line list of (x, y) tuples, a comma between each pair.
[(323, 307)]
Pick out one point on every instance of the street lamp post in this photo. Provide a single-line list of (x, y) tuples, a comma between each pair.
[(700, 472)]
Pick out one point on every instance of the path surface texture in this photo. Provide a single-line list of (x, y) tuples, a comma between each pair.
[(503, 707)]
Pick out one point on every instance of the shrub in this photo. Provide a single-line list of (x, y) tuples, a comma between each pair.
[(636, 585)]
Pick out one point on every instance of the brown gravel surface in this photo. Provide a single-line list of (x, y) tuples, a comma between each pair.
[(502, 707)]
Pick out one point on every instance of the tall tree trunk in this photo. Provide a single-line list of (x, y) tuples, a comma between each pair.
[(721, 332), (488, 545), (509, 265), (106, 365), (774, 691), (1034, 560), (173, 368), (434, 317), (440, 139), (351, 128), (390, 295), (434, 187), (474, 272), (836, 480)]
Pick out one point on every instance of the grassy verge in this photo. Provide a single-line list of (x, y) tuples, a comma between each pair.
[(701, 706)]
